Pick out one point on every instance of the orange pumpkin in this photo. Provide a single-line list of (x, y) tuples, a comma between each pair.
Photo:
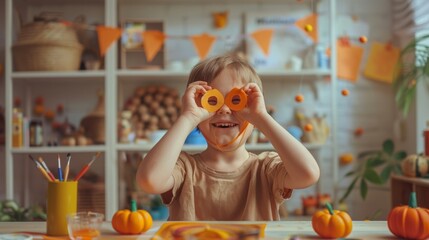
[(329, 223), (132, 222), (410, 222)]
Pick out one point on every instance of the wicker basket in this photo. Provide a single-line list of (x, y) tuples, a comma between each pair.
[(47, 46)]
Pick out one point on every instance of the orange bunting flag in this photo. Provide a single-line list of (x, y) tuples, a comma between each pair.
[(348, 60), (203, 43), (263, 39), (304, 23), (152, 43), (106, 36)]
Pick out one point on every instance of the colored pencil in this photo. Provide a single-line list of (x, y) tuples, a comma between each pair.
[(86, 167), (46, 168), (67, 169), (45, 174), (60, 172)]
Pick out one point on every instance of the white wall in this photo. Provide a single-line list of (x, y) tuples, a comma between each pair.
[(369, 106)]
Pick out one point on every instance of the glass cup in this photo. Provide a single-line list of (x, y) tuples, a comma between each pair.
[(84, 225)]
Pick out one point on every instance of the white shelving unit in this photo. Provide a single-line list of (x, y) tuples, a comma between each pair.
[(111, 79)]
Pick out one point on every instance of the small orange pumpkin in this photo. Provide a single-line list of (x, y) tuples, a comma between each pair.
[(410, 222), (329, 223), (132, 222)]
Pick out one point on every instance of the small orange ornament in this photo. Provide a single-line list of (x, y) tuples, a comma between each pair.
[(346, 158), (299, 98), (345, 92), (358, 132), (308, 28), (363, 39), (308, 127)]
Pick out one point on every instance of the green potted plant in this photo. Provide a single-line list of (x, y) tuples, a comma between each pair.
[(413, 66), (374, 167)]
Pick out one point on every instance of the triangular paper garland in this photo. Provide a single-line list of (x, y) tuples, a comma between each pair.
[(203, 44), (309, 20), (152, 43), (106, 36), (263, 39)]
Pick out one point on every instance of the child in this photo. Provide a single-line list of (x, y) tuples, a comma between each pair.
[(225, 181)]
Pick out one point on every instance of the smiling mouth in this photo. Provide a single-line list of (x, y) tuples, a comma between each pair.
[(224, 125)]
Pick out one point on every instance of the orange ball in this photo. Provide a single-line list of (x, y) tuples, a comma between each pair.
[(299, 98), (358, 131), (363, 39), (308, 127), (345, 92)]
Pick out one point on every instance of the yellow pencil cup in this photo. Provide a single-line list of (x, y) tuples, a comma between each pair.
[(61, 201)]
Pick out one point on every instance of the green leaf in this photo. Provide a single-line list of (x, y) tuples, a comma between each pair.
[(363, 188), (400, 155), (375, 162), (350, 173), (372, 176), (385, 173), (349, 189), (388, 146)]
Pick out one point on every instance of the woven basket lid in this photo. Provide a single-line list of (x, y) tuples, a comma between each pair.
[(47, 32)]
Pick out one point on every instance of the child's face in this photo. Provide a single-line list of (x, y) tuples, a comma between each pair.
[(225, 125)]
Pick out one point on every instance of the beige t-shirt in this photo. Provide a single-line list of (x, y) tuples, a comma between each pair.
[(253, 192)]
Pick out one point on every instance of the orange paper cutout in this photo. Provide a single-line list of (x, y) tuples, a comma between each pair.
[(152, 43), (348, 61), (263, 39), (381, 64), (203, 44), (229, 99), (206, 102), (309, 20), (106, 36)]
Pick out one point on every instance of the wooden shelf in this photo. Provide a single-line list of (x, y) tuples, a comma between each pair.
[(59, 149), (402, 186)]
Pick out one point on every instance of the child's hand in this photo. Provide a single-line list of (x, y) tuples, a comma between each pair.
[(191, 102), (255, 103)]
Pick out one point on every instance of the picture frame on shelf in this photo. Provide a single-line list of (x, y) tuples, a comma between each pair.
[(132, 50)]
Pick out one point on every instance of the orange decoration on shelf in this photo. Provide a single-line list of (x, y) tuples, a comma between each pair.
[(308, 127), (39, 110), (220, 19), (409, 221), (346, 158), (345, 92), (363, 39), (231, 97), (207, 99), (132, 222), (299, 98), (329, 223)]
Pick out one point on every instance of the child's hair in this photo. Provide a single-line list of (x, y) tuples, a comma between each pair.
[(210, 68)]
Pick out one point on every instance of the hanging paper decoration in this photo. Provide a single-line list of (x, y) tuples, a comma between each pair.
[(382, 60), (304, 24), (106, 36), (348, 59), (263, 39), (152, 43), (203, 43), (220, 19)]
